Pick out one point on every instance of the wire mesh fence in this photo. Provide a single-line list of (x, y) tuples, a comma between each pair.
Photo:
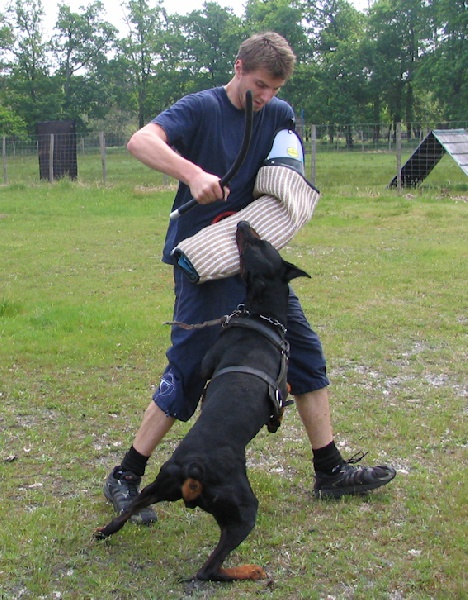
[(103, 157), (370, 137)]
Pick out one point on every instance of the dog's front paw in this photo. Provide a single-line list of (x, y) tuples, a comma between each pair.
[(99, 534)]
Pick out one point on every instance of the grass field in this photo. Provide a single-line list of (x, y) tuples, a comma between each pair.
[(83, 299)]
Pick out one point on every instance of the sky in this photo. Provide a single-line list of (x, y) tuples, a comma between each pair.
[(115, 12)]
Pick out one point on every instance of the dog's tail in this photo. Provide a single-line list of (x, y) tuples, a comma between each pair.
[(192, 488)]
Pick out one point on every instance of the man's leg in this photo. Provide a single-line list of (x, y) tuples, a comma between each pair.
[(334, 477), (314, 410), (153, 428), (123, 483)]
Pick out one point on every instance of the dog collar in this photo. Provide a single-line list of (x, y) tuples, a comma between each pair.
[(242, 312)]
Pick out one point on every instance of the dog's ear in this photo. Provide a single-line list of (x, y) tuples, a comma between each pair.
[(194, 470), (291, 271)]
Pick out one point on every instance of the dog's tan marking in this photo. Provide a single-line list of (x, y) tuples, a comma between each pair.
[(191, 490), (245, 572)]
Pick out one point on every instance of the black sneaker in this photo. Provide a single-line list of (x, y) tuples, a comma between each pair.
[(348, 480), (121, 488)]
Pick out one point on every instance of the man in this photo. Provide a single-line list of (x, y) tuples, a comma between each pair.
[(206, 130)]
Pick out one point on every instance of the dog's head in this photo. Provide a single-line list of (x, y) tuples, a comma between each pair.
[(263, 269)]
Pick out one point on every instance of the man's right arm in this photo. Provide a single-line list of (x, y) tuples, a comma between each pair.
[(150, 146)]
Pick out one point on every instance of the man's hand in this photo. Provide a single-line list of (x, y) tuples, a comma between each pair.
[(150, 146), (205, 188)]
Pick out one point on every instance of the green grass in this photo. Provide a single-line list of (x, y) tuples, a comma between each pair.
[(83, 299)]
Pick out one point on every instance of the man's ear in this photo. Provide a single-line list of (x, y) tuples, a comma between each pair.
[(238, 67), (291, 271)]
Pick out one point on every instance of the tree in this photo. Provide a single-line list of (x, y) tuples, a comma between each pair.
[(444, 70), (402, 60), (6, 41), (30, 89), (80, 46), (111, 89), (141, 49), (211, 38), (398, 30), (339, 93), (284, 17), (287, 19), (11, 124)]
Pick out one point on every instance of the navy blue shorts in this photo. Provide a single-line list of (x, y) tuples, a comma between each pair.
[(181, 385)]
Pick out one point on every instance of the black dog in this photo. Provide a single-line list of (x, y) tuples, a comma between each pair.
[(247, 367)]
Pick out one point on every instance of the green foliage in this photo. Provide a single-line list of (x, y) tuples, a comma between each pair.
[(80, 44), (28, 91), (11, 124), (282, 16), (334, 80), (399, 30), (116, 121), (215, 34), (402, 60), (444, 70), (6, 41), (141, 48), (34, 100)]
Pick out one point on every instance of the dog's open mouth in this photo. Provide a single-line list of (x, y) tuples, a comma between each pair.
[(245, 234)]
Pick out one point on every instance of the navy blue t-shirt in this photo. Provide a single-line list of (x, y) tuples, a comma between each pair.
[(207, 129)]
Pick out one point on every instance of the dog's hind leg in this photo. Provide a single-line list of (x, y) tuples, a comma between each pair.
[(232, 534)]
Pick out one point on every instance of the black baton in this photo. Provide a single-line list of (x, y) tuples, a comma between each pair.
[(224, 181)]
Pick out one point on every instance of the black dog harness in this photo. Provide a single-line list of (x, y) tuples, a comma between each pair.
[(277, 389)]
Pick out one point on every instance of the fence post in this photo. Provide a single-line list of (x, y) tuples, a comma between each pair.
[(102, 147), (51, 157), (313, 154), (398, 155), (5, 173)]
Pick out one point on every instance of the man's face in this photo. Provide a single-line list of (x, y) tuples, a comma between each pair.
[(263, 86)]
